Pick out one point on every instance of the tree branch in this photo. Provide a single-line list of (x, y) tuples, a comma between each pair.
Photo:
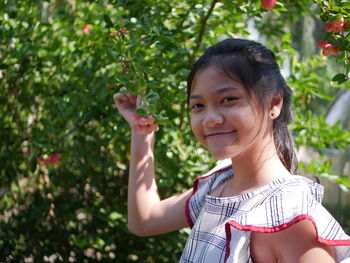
[(202, 30)]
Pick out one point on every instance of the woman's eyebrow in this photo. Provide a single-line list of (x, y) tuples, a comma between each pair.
[(218, 91), (227, 88)]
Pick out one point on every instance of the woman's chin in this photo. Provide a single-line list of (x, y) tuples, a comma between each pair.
[(225, 154), (221, 155)]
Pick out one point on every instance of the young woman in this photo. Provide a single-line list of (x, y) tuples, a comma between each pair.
[(252, 209)]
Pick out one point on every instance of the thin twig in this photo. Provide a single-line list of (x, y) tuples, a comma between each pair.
[(181, 23), (182, 115)]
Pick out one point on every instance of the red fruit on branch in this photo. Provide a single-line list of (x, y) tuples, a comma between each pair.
[(335, 51), (336, 25), (321, 43), (268, 4), (327, 50), (329, 27), (330, 49), (339, 23)]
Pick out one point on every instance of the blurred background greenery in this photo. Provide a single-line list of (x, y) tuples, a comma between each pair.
[(64, 149)]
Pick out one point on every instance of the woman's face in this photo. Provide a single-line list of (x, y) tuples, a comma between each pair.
[(224, 117)]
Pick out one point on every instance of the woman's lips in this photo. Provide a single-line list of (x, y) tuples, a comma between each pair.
[(218, 134)]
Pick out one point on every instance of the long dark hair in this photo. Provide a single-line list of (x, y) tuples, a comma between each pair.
[(255, 66)]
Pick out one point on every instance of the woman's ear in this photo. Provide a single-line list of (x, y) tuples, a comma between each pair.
[(276, 103)]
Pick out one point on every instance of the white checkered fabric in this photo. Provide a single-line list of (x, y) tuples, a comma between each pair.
[(221, 226)]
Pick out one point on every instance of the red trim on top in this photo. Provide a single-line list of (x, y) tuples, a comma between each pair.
[(262, 229), (195, 188), (228, 241), (187, 213)]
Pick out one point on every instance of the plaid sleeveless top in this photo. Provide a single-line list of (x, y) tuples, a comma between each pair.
[(221, 226)]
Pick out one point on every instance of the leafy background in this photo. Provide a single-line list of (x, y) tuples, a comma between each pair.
[(64, 148)]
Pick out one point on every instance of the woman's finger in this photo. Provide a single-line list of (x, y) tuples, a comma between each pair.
[(123, 88), (132, 98), (119, 98), (145, 120), (152, 128), (146, 128)]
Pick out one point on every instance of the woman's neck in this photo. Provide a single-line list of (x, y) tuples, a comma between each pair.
[(255, 168)]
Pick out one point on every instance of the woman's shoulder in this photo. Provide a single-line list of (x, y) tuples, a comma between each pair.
[(297, 186), (215, 176), (294, 204), (292, 199), (204, 185)]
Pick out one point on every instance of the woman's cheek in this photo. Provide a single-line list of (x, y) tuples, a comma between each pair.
[(197, 129)]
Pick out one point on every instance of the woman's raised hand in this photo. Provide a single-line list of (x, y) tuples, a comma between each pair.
[(127, 105)]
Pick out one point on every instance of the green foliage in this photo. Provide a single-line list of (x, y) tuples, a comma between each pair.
[(57, 78), (332, 11)]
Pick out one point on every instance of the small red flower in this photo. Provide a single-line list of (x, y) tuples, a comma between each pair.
[(110, 85), (124, 31), (52, 159), (120, 32), (268, 4), (86, 29)]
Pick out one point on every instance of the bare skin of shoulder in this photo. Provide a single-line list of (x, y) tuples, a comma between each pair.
[(296, 244)]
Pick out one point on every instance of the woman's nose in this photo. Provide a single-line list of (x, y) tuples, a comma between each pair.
[(212, 119)]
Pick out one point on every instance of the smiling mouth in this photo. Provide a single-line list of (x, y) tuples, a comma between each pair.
[(218, 134)]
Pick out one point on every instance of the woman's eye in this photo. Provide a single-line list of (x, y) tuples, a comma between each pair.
[(196, 106), (228, 99)]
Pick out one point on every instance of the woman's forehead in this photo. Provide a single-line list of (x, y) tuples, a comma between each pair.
[(214, 76)]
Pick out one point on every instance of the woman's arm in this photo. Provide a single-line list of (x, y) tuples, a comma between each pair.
[(296, 244), (147, 214)]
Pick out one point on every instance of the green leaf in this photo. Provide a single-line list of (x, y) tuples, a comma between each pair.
[(152, 96), (141, 112), (340, 78), (162, 119), (108, 21), (152, 108)]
